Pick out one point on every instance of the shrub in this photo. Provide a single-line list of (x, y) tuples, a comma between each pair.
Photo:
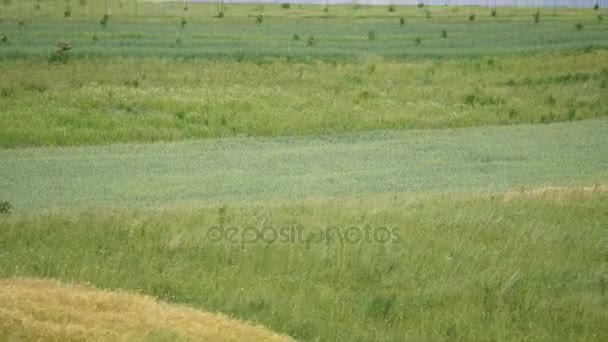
[(551, 100), (547, 118), (132, 83), (183, 23), (67, 13), (596, 6), (61, 54), (420, 4), (296, 37), (391, 8), (402, 21), (371, 35), (600, 18), (444, 34), (260, 19), (6, 92), (104, 20), (493, 12), (536, 17), (572, 114), (5, 207), (4, 39), (428, 14), (472, 17), (82, 3), (418, 41), (286, 5), (311, 41), (579, 26), (477, 98), (326, 9)]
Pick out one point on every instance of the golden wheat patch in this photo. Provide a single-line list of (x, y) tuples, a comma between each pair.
[(48, 310)]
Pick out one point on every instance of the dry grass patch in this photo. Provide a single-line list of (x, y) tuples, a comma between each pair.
[(556, 192), (37, 309)]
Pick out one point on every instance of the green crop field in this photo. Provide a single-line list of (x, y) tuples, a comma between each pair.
[(339, 173)]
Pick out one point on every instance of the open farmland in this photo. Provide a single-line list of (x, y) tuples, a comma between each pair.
[(345, 174)]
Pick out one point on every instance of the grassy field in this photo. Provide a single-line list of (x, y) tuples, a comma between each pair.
[(336, 39), (349, 174), (490, 160), (100, 101), (148, 79), (519, 266)]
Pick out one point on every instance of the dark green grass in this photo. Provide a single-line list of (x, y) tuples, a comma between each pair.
[(475, 268)]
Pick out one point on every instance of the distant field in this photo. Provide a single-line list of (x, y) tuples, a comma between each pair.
[(298, 72), (338, 35)]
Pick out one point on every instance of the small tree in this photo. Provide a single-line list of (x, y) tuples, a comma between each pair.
[(5, 207), (536, 17), (68, 9)]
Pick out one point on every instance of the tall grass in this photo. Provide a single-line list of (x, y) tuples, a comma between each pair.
[(525, 265)]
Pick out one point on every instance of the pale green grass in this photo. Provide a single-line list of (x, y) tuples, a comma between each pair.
[(522, 267), (255, 169)]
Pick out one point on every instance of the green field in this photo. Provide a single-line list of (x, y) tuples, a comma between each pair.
[(472, 160), (479, 144), (473, 268)]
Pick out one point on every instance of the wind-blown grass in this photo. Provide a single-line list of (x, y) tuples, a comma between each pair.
[(526, 265)]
